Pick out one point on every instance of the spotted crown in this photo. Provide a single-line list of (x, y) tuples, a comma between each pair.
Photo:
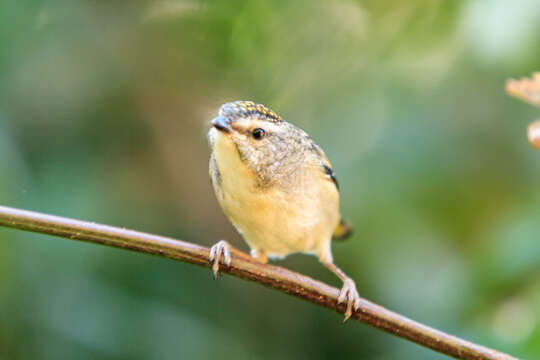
[(241, 109)]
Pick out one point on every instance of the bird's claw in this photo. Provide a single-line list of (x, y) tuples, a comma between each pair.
[(349, 295), (221, 249)]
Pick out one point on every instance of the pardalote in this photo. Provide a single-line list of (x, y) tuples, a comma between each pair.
[(277, 188)]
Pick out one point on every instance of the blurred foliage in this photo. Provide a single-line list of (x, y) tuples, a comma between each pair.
[(103, 113)]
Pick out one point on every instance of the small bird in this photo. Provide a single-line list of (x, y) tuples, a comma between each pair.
[(277, 188)]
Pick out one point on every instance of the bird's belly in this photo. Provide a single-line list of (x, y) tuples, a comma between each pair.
[(280, 223)]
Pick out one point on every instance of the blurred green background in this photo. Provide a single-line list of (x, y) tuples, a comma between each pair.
[(104, 108)]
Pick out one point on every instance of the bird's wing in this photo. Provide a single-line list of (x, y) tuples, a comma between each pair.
[(330, 173), (343, 229), (325, 164)]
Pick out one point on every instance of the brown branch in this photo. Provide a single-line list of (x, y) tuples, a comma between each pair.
[(272, 276)]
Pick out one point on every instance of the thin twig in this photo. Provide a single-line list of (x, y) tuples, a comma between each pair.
[(270, 275)]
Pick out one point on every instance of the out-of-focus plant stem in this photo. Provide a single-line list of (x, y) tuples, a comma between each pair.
[(528, 90), (242, 266)]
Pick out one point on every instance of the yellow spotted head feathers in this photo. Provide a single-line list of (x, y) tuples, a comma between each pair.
[(244, 109)]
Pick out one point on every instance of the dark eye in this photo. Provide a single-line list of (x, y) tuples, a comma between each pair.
[(258, 134)]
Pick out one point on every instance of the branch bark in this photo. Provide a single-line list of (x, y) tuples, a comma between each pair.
[(242, 266)]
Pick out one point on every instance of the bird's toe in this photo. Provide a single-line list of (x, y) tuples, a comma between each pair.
[(217, 252), (349, 295)]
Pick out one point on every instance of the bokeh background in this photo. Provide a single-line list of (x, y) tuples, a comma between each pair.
[(104, 108)]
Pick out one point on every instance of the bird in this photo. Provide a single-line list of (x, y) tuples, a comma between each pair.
[(278, 189)]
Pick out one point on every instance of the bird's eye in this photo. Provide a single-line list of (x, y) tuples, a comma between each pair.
[(258, 133)]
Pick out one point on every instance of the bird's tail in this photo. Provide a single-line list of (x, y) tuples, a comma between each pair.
[(342, 231)]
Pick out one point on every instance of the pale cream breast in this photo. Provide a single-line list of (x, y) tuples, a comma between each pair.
[(278, 220)]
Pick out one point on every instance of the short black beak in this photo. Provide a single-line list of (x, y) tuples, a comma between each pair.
[(222, 124)]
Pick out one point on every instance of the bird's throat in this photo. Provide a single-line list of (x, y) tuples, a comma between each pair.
[(235, 175)]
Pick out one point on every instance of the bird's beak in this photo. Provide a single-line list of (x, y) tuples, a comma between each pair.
[(222, 124)]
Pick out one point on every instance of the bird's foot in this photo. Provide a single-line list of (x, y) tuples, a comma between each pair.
[(349, 295), (218, 251)]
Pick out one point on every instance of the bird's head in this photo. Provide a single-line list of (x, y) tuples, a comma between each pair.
[(260, 138)]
